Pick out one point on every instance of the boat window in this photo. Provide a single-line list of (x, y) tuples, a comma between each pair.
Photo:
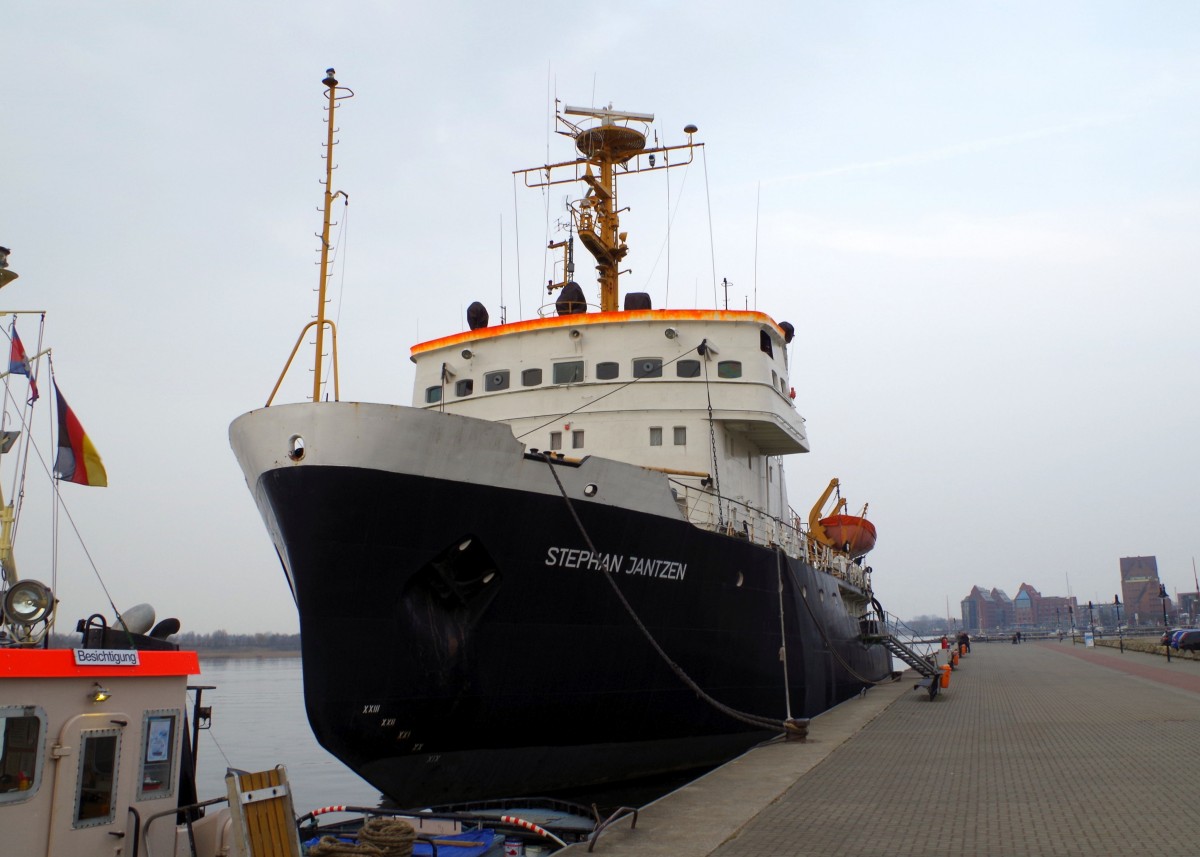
[(774, 378), (433, 394), (556, 440), (568, 373), (97, 783), (496, 380), (531, 377), (607, 371), (681, 435), (729, 369), (577, 439), (22, 732), (656, 435), (157, 777), (764, 343), (647, 367), (465, 387), (687, 369)]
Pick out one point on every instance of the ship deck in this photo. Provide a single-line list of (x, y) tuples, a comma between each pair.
[(1042, 748)]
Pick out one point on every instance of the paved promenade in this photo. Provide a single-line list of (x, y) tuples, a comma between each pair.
[(1038, 749)]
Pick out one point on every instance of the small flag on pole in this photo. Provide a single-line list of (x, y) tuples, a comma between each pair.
[(77, 459), (18, 364)]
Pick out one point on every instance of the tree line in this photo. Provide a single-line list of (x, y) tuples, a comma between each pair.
[(217, 641)]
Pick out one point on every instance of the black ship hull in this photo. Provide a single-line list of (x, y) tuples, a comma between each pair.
[(460, 641)]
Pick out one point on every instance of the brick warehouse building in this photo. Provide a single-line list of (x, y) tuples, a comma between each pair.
[(991, 610), (1140, 589)]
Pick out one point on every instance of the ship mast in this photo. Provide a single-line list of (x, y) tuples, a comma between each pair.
[(334, 94), (607, 148)]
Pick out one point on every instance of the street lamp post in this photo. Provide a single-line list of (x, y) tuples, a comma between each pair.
[(1120, 630), (1162, 593), (1071, 614), (1091, 622)]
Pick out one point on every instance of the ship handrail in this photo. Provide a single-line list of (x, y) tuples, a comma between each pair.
[(745, 520)]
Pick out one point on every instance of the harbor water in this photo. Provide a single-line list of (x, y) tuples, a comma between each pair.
[(258, 722)]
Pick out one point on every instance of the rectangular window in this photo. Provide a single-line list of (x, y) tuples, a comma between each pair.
[(681, 435), (22, 732), (531, 377), (656, 435), (158, 755), (607, 371), (556, 440), (97, 781), (433, 395), (493, 381), (647, 367), (464, 387), (764, 343), (577, 439), (729, 369), (687, 369), (568, 373)]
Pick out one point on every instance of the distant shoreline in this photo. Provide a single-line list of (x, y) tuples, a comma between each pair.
[(245, 654)]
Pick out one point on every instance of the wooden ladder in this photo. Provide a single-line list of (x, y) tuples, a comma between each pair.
[(264, 821)]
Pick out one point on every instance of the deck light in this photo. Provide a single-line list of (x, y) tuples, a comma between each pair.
[(98, 693), (670, 333), (27, 603)]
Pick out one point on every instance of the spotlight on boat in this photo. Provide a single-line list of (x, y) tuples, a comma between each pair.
[(670, 333), (690, 129), (576, 333), (590, 489), (98, 693), (466, 354), (27, 603)]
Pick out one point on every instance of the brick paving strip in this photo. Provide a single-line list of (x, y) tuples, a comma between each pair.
[(1036, 749)]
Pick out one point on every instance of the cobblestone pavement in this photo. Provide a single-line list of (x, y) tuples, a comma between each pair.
[(1036, 749)]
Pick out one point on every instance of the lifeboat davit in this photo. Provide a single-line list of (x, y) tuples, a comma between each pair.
[(853, 530)]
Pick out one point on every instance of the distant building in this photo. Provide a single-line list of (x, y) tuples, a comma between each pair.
[(985, 610), (1140, 588), (1189, 604), (991, 610)]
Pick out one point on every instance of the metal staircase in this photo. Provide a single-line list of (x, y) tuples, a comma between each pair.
[(883, 629)]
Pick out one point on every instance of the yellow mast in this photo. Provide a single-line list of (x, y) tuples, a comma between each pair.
[(334, 94), (607, 148)]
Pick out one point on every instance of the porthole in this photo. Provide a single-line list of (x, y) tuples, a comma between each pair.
[(295, 447), (493, 381), (740, 580), (647, 367)]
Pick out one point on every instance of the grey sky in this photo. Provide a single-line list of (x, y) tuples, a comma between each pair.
[(981, 219)]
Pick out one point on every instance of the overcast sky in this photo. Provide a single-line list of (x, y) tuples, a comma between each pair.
[(982, 219)]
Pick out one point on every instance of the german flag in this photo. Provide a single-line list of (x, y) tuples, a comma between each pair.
[(77, 459)]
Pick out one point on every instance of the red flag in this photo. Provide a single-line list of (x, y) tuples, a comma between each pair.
[(18, 364), (77, 459)]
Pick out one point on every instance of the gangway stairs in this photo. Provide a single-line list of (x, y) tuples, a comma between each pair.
[(883, 633)]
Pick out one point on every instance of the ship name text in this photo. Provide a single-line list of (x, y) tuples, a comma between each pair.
[(615, 563)]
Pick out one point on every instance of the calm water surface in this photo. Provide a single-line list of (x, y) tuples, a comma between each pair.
[(258, 722)]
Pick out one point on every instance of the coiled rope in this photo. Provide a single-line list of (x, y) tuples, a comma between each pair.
[(378, 837)]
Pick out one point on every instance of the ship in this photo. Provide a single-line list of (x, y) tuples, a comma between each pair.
[(570, 560)]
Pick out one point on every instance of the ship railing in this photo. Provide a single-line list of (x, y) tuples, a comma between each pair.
[(703, 508)]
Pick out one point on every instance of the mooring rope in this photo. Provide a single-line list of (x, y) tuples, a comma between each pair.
[(749, 719)]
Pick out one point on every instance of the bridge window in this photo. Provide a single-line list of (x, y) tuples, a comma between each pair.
[(493, 381), (568, 373), (556, 440), (647, 367), (433, 394), (729, 369), (656, 435), (764, 343), (465, 387), (687, 369), (577, 439), (607, 371), (531, 377), (22, 734), (681, 435)]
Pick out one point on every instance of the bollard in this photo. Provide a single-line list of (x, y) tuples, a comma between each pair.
[(954, 658), (945, 676)]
